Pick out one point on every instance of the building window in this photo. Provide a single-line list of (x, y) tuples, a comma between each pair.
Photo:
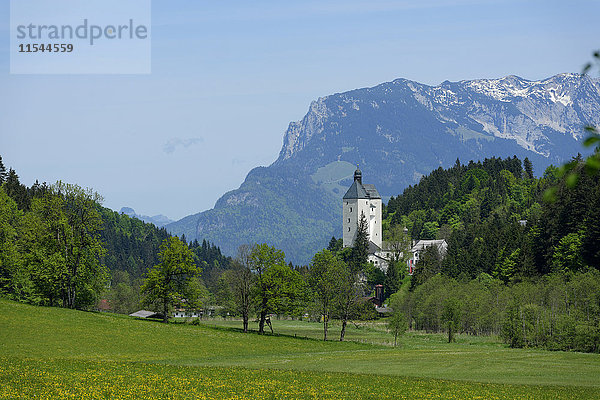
[(348, 229), (350, 209), (348, 220)]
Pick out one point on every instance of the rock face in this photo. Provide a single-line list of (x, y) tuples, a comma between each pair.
[(397, 131)]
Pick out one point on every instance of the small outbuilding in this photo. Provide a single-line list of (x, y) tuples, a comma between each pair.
[(384, 311), (146, 314)]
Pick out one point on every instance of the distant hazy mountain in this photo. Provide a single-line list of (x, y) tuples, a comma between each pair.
[(158, 220), (397, 131)]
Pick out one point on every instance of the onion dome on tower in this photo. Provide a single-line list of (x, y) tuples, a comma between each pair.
[(358, 175), (358, 190)]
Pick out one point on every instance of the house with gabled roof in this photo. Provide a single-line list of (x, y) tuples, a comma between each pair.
[(421, 246)]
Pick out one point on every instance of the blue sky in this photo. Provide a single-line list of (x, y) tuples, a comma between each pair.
[(228, 77)]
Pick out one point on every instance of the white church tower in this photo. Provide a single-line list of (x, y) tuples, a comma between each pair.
[(362, 199)]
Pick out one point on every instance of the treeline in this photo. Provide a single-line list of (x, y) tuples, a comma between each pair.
[(50, 253), (556, 312), (209, 258), (125, 295), (131, 245), (523, 253), (60, 247)]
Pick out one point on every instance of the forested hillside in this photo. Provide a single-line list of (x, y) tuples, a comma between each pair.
[(59, 246), (523, 257), (496, 220)]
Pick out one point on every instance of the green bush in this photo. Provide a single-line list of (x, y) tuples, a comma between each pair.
[(587, 338)]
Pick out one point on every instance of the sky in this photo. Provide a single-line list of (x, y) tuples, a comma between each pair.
[(229, 76)]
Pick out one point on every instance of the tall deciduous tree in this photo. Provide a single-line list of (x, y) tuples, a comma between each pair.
[(70, 233), (451, 315), (324, 280), (398, 242), (12, 278), (85, 250), (350, 293), (278, 288), (174, 279), (241, 281), (397, 324)]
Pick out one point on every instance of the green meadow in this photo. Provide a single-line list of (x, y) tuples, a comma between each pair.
[(60, 353)]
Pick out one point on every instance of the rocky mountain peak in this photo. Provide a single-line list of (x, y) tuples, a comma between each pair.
[(510, 108)]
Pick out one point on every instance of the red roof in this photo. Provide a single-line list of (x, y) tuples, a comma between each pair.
[(104, 305)]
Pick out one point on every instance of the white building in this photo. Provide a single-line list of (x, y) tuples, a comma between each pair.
[(183, 313), (382, 256), (420, 246), (363, 199)]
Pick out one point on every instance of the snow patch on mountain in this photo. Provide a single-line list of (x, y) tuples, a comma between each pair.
[(509, 108)]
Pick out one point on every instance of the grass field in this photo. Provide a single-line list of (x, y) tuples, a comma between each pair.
[(58, 353), (371, 332)]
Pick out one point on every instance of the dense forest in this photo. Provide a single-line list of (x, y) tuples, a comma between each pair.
[(499, 219), (523, 257), (59, 246)]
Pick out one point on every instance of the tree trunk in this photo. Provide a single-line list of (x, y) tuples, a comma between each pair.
[(261, 324), (165, 311), (245, 318), (343, 331), (68, 283), (325, 321), (245, 309)]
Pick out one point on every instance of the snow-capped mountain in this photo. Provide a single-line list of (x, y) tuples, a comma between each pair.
[(397, 131)]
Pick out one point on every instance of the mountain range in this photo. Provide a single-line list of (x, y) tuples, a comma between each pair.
[(158, 220), (397, 132)]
